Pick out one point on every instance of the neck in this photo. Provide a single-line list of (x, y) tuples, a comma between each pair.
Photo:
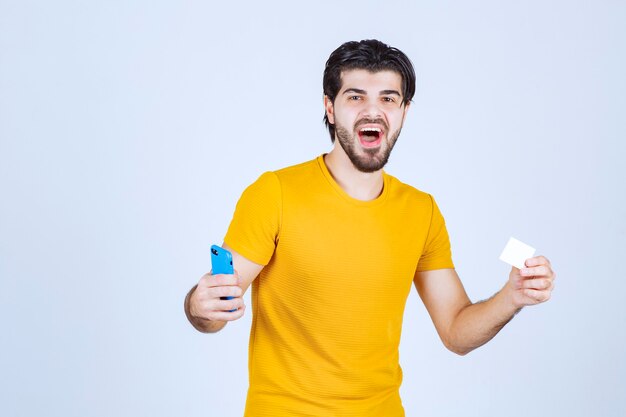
[(364, 186)]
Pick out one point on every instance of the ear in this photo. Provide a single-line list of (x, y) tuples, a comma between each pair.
[(406, 109), (330, 110)]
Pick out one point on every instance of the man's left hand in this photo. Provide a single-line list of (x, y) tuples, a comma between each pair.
[(533, 284)]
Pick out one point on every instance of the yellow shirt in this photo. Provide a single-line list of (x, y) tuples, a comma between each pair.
[(328, 305)]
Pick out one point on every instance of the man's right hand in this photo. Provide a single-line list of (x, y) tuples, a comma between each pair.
[(206, 309)]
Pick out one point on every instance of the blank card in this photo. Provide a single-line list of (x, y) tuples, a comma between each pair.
[(515, 253)]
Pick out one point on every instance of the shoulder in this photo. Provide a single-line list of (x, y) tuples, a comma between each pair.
[(297, 171), (403, 191), (270, 183)]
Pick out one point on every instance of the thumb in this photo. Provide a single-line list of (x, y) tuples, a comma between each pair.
[(515, 277)]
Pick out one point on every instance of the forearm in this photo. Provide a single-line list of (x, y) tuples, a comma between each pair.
[(463, 326), (200, 324), (478, 323)]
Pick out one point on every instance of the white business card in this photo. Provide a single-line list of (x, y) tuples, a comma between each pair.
[(515, 253)]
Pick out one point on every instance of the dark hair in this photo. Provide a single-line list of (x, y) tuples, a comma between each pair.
[(371, 55)]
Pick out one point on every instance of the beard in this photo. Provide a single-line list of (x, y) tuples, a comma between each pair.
[(364, 159)]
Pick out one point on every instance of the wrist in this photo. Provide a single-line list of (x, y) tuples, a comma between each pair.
[(508, 299), (188, 312)]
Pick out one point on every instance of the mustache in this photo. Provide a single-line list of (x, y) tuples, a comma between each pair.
[(366, 121)]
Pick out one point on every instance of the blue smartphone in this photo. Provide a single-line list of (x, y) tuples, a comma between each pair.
[(222, 263)]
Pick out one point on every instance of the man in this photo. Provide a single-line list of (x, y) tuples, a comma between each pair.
[(331, 247)]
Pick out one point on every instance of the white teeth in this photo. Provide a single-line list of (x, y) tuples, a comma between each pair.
[(370, 129)]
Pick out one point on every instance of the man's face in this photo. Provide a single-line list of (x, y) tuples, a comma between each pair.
[(368, 113)]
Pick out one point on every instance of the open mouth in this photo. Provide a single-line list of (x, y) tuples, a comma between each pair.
[(370, 137)]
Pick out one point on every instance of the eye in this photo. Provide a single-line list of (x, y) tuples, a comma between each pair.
[(389, 99), (354, 98)]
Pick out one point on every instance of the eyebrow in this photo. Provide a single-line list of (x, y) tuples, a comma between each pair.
[(382, 93), (388, 92), (355, 90)]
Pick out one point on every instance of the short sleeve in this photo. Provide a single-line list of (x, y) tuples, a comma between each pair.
[(253, 231), (436, 253)]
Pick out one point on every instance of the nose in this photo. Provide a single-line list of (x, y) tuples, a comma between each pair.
[(372, 110)]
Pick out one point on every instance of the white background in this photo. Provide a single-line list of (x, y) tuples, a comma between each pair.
[(128, 129)]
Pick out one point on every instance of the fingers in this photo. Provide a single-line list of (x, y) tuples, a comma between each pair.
[(209, 301), (537, 260), (227, 306), (538, 266), (537, 284), (224, 291), (538, 271), (218, 280), (536, 295), (211, 308), (227, 315)]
